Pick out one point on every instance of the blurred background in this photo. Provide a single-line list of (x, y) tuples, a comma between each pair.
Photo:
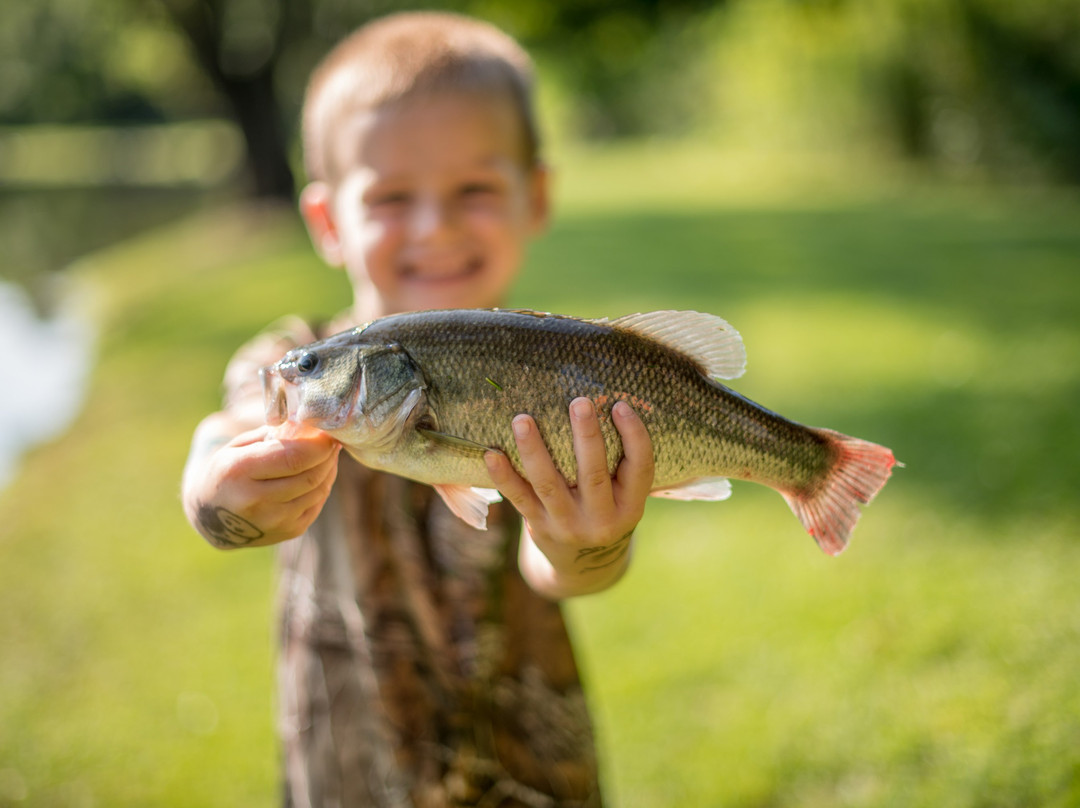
[(882, 197)]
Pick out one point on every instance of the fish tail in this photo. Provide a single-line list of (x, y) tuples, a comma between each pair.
[(829, 508)]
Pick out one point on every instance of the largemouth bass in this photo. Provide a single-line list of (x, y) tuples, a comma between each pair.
[(425, 395)]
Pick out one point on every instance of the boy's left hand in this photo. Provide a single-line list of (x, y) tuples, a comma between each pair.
[(577, 538)]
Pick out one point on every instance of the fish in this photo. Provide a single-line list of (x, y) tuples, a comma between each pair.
[(425, 395)]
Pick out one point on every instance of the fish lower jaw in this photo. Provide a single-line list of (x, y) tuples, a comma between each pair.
[(275, 397)]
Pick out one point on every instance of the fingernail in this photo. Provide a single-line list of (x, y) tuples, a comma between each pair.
[(491, 460), (581, 408), (621, 409), (521, 426)]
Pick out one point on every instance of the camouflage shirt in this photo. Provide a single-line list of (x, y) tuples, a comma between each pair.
[(416, 667)]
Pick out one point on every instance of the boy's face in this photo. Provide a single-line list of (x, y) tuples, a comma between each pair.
[(434, 207)]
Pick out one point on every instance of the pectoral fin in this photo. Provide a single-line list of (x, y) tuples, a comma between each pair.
[(456, 444), (712, 489), (469, 504)]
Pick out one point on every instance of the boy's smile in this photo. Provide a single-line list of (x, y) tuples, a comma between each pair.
[(434, 208)]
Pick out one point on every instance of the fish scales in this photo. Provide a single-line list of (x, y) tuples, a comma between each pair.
[(477, 369), (698, 426)]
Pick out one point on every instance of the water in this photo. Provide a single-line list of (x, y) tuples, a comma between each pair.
[(42, 231), (47, 368)]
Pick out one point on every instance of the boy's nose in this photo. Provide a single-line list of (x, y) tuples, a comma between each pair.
[(432, 219)]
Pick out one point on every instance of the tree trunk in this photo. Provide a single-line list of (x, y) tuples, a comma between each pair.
[(258, 114), (250, 95)]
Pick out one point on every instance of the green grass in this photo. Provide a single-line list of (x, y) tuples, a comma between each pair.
[(935, 663)]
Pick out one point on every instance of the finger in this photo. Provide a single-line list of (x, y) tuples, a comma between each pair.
[(253, 494), (593, 477), (321, 478), (303, 522), (513, 486), (307, 499), (279, 502), (634, 476), (546, 481), (291, 430), (293, 518), (256, 435), (275, 459)]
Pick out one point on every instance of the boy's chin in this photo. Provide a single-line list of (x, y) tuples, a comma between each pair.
[(426, 297), (437, 303)]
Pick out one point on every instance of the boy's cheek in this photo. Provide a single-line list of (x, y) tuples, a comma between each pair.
[(372, 237), (506, 219)]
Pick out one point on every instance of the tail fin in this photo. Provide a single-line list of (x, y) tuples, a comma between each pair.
[(830, 509)]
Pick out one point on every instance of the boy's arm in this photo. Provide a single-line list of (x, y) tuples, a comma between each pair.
[(249, 488), (247, 484), (577, 540)]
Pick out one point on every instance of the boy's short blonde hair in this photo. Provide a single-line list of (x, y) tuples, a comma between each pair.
[(409, 54)]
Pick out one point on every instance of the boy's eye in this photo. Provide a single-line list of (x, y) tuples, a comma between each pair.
[(476, 189), (389, 199)]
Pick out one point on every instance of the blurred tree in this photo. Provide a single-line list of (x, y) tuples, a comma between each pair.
[(1030, 80), (64, 61), (244, 46), (132, 61), (989, 86), (988, 81), (630, 65), (238, 44)]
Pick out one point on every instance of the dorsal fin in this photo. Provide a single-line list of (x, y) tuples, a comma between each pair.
[(707, 339)]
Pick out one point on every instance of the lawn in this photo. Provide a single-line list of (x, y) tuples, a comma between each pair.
[(935, 663)]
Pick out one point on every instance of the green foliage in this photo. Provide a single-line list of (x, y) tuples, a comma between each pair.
[(95, 60), (966, 86), (932, 664)]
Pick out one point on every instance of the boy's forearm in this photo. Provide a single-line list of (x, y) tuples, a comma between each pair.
[(211, 522), (220, 526), (578, 572)]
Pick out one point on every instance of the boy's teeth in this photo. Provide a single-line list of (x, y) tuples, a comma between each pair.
[(440, 271)]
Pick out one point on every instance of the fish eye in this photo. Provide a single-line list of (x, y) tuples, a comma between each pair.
[(307, 363)]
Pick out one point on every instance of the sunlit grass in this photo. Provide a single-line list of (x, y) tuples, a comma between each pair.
[(926, 664), (932, 664)]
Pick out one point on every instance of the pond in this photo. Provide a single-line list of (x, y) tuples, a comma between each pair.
[(41, 328), (55, 354)]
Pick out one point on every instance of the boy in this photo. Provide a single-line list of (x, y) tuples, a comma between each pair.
[(423, 662)]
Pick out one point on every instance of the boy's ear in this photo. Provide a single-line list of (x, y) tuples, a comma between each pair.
[(540, 196), (317, 208)]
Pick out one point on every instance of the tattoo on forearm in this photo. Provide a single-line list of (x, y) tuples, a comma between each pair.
[(597, 558), (225, 528)]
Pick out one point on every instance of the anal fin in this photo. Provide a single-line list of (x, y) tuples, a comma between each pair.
[(710, 489)]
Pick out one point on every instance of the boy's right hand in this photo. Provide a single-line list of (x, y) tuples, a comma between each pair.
[(263, 486)]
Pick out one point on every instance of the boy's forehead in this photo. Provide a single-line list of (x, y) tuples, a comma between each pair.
[(442, 130)]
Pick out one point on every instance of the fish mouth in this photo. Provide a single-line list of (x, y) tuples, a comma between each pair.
[(283, 401), (275, 396)]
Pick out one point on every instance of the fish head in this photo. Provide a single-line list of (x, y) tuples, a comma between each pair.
[(361, 393)]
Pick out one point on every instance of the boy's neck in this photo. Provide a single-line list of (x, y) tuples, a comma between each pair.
[(368, 305)]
